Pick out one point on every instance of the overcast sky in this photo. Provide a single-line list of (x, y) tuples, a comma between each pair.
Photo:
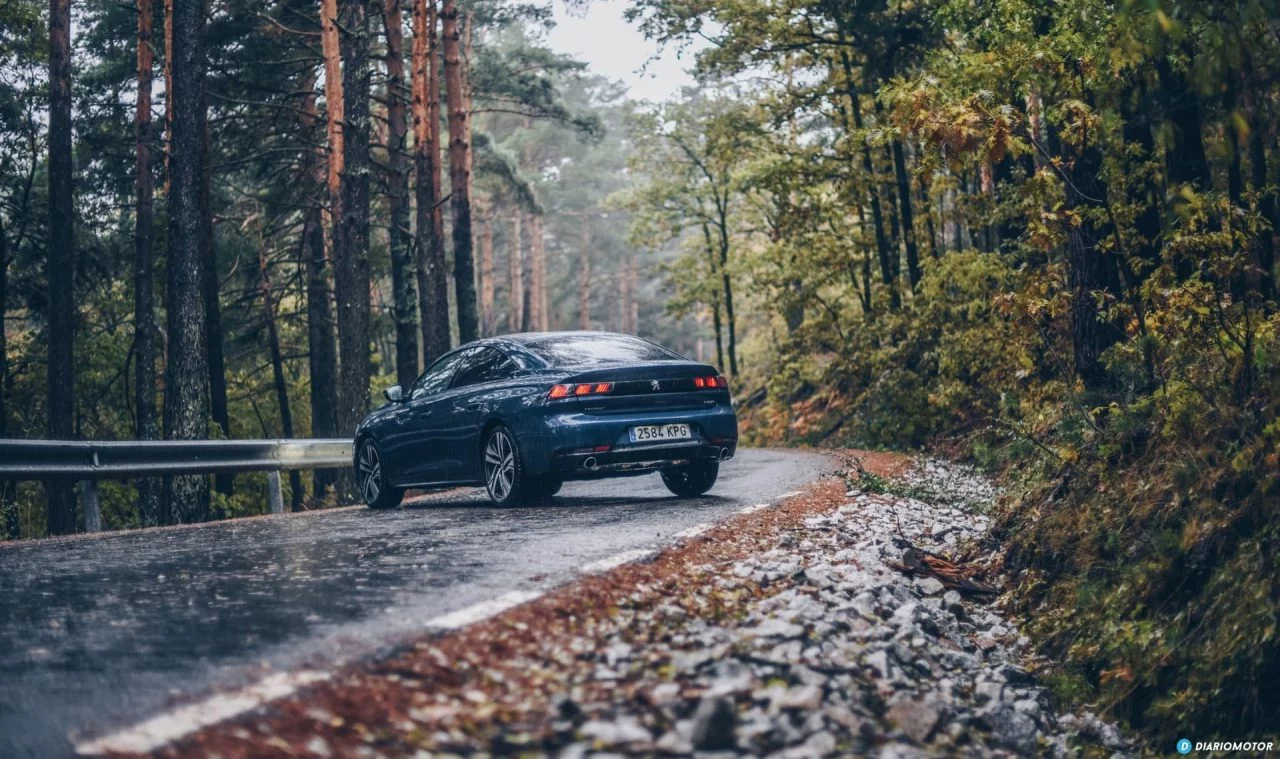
[(618, 50)]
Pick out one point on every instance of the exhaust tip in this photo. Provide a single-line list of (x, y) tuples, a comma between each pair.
[(590, 463), (724, 453)]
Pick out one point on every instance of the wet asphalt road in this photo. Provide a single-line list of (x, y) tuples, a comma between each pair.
[(101, 632)]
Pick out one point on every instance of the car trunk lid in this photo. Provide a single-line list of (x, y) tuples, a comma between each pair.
[(650, 386)]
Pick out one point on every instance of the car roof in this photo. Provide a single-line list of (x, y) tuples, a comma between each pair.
[(524, 338), (524, 341)]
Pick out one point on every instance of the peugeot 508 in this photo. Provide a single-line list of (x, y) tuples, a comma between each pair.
[(521, 414)]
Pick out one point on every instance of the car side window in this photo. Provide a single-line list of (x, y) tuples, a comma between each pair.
[(436, 377), (484, 365)]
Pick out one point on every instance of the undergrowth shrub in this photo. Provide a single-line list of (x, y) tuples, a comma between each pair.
[(1142, 529)]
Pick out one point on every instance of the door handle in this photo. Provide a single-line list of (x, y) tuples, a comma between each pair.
[(473, 407), (423, 414)]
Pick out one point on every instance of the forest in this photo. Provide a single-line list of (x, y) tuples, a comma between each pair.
[(385, 195), (1039, 235)]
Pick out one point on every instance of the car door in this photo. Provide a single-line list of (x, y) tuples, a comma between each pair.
[(475, 390), (416, 457)]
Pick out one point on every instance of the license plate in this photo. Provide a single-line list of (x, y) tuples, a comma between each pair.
[(660, 432)]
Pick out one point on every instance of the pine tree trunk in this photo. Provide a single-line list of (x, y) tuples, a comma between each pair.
[(322, 349), (322, 326), (538, 256), (168, 90), (547, 322), (624, 294), (873, 194), (433, 282), (60, 272), (9, 522), (281, 384), (404, 291), (1187, 160), (223, 481), (1088, 273), (331, 49), (335, 139), (459, 110), (515, 270), (584, 275), (631, 296), (868, 306), (922, 195), (487, 325), (186, 401), (351, 256), (144, 312), (715, 298), (529, 314), (727, 286), (908, 223), (722, 227), (719, 328)]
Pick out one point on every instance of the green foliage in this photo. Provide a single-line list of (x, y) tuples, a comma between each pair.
[(1094, 316)]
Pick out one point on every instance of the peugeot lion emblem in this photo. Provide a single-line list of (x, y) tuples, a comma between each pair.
[(656, 385)]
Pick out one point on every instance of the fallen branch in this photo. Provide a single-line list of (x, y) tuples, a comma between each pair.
[(917, 561)]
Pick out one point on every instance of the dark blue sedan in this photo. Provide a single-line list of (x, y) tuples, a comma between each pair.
[(521, 414)]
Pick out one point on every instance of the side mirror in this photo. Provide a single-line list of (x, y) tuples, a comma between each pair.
[(394, 394)]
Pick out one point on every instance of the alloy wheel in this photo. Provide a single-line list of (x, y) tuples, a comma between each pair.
[(500, 465), (370, 473)]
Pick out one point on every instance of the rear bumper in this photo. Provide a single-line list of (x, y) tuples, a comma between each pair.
[(637, 459), (580, 446)]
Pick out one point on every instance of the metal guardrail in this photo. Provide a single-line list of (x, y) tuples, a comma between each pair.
[(89, 461)]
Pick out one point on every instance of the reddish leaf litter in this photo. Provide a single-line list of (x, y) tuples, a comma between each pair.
[(770, 633)]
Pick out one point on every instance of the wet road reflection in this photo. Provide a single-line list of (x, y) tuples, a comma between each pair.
[(99, 632)]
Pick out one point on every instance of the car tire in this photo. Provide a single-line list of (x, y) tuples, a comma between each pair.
[(691, 480), (371, 478), (504, 477)]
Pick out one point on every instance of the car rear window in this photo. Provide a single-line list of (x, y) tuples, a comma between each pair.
[(576, 350)]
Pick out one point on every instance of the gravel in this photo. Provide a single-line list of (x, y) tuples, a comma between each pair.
[(852, 656)]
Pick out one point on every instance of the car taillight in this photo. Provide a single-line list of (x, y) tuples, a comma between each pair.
[(578, 390), (710, 383)]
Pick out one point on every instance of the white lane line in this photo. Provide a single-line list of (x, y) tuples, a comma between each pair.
[(481, 611), (753, 508), (789, 494), (169, 726), (694, 531), (626, 557)]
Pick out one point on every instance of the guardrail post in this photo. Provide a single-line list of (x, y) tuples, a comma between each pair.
[(274, 495), (89, 503)]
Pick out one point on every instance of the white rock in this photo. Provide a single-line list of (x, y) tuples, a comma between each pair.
[(930, 586), (777, 628), (801, 697), (621, 731)]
